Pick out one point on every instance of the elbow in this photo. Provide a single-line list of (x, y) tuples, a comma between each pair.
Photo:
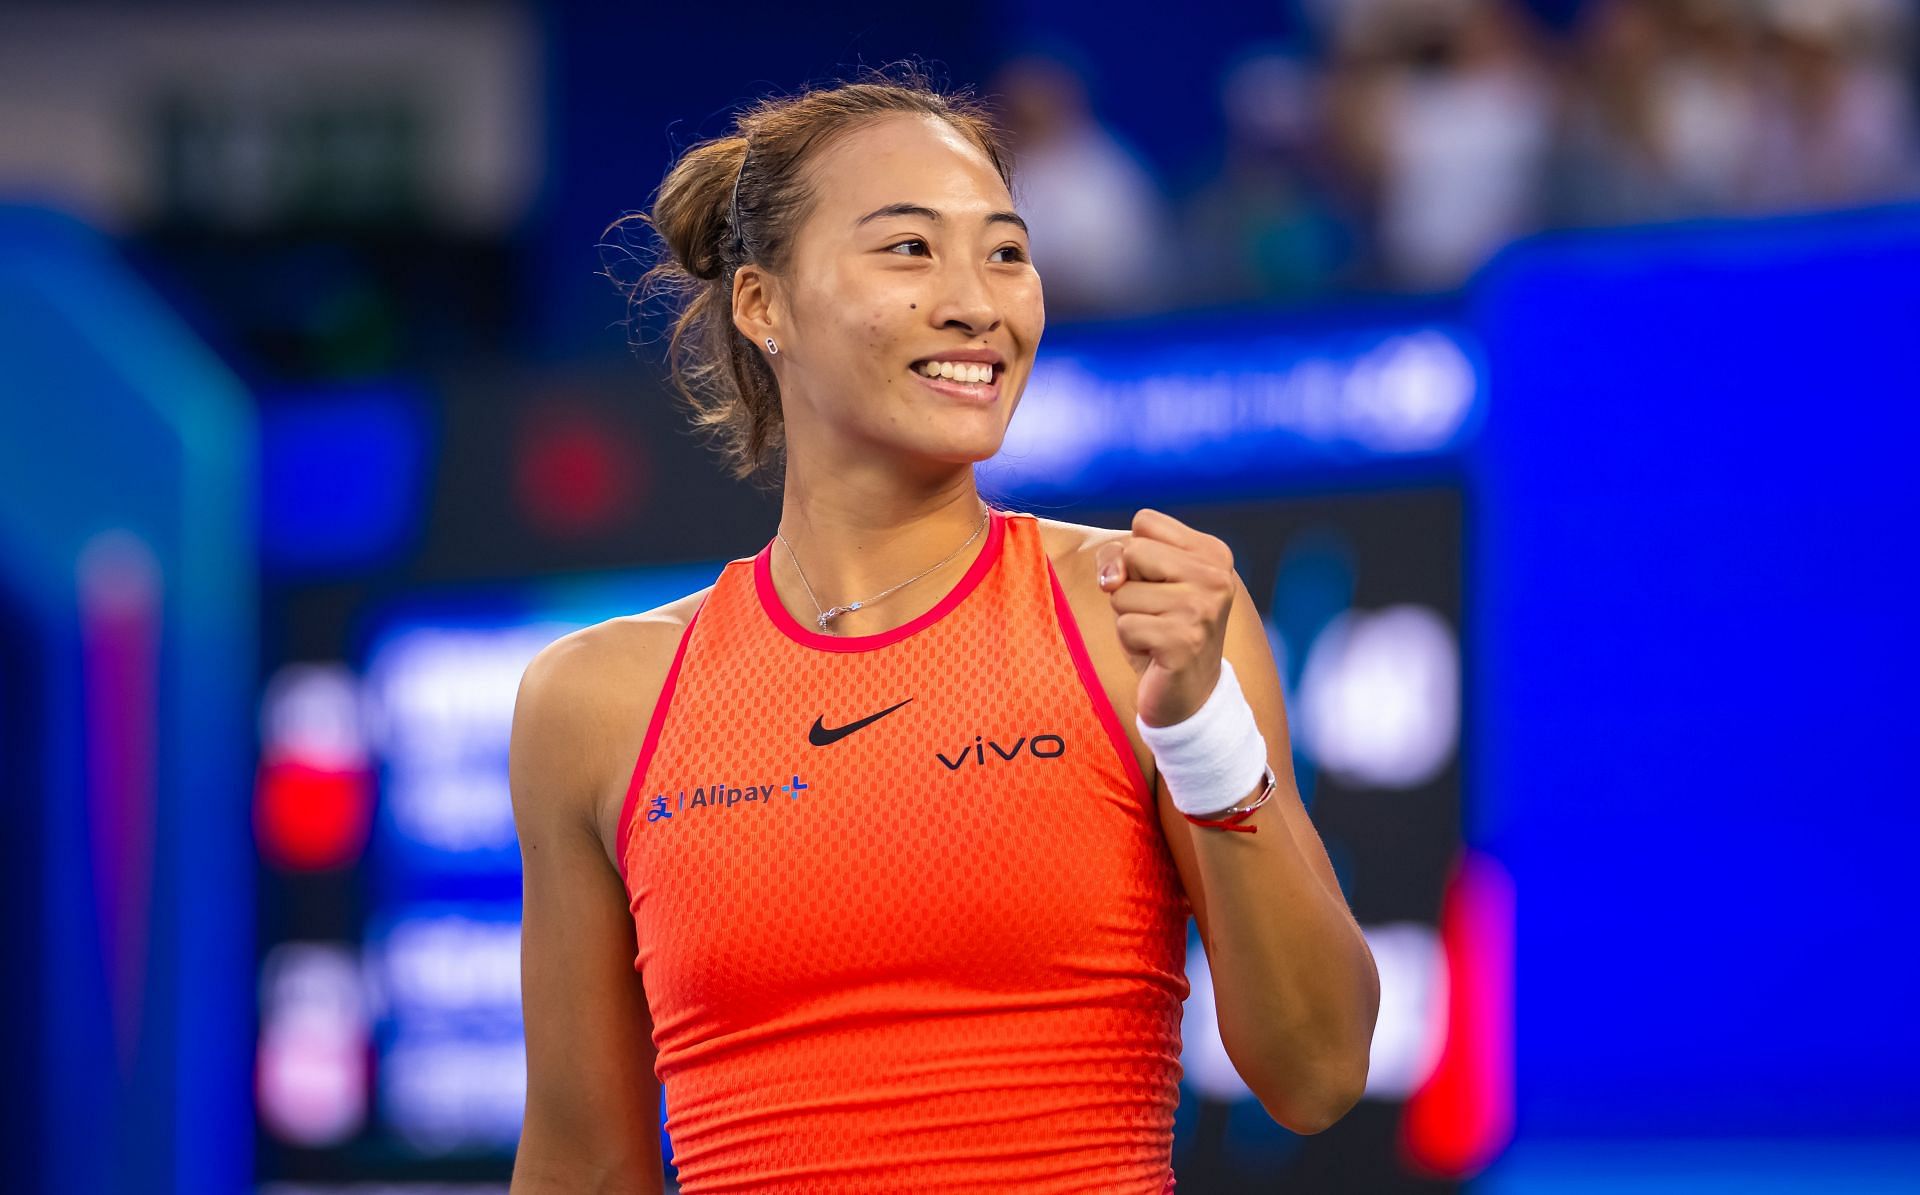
[(1307, 1117), (1315, 1105), (1325, 1112)]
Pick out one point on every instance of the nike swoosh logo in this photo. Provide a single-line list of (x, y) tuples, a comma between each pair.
[(821, 734)]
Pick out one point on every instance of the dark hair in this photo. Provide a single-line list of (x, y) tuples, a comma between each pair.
[(725, 379)]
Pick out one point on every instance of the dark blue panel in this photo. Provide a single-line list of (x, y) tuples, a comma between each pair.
[(343, 477), (1694, 658)]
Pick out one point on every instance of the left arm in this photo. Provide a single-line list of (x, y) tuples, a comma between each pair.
[(1295, 986)]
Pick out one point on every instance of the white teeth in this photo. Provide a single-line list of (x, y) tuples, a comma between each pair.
[(958, 371)]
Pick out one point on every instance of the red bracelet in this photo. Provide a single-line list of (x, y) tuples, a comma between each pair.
[(1239, 813)]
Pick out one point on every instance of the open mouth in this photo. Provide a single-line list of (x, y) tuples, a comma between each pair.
[(964, 372), (963, 384)]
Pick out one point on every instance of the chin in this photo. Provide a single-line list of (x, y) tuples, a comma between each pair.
[(964, 450)]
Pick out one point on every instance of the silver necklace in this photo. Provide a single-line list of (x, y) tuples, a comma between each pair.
[(827, 616)]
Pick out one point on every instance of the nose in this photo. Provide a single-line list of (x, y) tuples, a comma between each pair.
[(967, 300)]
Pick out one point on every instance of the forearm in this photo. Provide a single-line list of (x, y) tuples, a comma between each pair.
[(1294, 984), (556, 1163), (558, 1178), (1295, 987)]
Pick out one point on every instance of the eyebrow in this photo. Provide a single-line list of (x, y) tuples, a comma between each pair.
[(927, 213)]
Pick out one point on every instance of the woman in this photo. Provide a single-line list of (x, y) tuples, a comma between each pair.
[(905, 895)]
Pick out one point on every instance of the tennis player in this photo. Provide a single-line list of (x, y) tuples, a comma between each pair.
[(878, 852)]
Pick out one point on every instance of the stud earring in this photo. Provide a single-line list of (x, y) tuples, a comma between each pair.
[(772, 348)]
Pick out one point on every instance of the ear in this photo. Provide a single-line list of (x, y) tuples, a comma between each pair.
[(757, 305)]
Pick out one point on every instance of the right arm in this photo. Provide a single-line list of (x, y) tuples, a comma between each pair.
[(593, 1101)]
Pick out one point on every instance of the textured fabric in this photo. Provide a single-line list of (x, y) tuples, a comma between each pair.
[(944, 951)]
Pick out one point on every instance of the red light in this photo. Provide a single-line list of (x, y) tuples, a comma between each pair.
[(577, 472), (311, 819), (1463, 1118)]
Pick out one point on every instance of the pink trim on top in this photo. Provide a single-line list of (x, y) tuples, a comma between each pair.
[(791, 628), (1090, 680), (654, 723)]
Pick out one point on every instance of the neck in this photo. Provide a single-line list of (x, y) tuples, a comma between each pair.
[(853, 542)]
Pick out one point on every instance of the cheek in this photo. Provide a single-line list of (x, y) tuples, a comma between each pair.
[(1025, 305), (1036, 301), (875, 334), (1028, 325)]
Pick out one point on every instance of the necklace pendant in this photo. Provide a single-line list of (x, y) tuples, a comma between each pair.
[(827, 616)]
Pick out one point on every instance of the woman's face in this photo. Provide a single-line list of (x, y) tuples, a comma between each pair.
[(873, 292)]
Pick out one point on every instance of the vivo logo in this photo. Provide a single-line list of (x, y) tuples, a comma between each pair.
[(1040, 746)]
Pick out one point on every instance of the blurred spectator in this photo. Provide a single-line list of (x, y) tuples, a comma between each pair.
[(1429, 133), (1614, 161), (1714, 107), (1444, 118), (1101, 234), (1264, 226), (1705, 103), (1836, 116)]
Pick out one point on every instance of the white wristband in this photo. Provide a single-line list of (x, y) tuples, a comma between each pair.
[(1212, 760)]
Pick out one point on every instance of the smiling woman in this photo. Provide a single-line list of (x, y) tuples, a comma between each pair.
[(900, 912), (736, 205)]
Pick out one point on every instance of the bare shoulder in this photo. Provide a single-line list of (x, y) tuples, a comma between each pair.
[(592, 1088), (583, 709), (1071, 547)]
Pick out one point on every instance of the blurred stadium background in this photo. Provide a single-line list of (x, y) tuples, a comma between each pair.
[(1547, 365)]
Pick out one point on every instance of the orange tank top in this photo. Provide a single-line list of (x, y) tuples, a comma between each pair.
[(906, 918)]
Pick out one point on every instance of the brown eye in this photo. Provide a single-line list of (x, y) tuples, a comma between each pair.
[(1018, 253)]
